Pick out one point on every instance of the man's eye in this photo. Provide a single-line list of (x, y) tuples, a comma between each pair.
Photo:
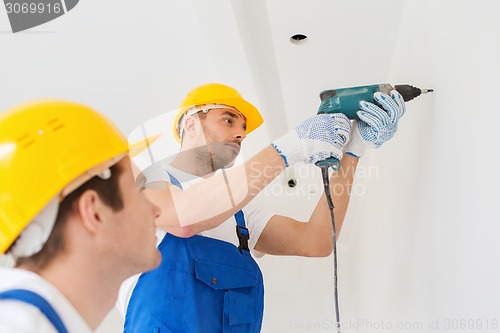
[(228, 120)]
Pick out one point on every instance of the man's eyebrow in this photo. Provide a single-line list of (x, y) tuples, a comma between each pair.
[(230, 113), (236, 115)]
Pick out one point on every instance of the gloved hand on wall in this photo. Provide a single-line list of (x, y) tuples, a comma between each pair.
[(377, 124), (315, 139)]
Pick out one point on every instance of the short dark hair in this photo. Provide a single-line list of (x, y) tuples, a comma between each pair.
[(107, 189)]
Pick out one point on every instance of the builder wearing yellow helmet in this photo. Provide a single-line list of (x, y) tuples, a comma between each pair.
[(71, 214), (208, 280)]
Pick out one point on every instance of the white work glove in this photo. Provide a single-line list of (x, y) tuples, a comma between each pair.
[(376, 125), (315, 139)]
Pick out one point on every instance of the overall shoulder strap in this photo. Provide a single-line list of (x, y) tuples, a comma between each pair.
[(38, 301), (174, 181), (242, 231)]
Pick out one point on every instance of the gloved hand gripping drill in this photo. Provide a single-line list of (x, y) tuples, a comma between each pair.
[(359, 103)]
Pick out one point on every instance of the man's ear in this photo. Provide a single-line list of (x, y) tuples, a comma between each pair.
[(190, 126), (91, 210), (194, 130)]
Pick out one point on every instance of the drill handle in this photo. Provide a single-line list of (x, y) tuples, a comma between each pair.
[(331, 162)]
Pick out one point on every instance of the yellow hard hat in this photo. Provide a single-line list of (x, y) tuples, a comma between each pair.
[(216, 93), (44, 146)]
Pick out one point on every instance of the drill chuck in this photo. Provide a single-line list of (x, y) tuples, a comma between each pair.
[(410, 92)]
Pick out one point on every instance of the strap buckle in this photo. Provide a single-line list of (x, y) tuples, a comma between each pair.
[(243, 237)]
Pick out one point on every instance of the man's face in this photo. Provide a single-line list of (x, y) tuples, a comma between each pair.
[(133, 229), (223, 130)]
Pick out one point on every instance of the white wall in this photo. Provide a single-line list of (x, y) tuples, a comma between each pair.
[(420, 241), (418, 250)]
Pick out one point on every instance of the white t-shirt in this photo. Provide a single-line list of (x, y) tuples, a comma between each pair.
[(20, 317), (255, 220)]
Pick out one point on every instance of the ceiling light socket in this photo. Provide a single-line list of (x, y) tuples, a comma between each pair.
[(298, 39)]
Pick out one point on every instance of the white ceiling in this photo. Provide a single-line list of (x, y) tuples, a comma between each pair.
[(134, 61)]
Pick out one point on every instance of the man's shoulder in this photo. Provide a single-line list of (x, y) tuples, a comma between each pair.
[(251, 207), (19, 317)]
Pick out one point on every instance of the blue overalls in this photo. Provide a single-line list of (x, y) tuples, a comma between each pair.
[(202, 285), (38, 301)]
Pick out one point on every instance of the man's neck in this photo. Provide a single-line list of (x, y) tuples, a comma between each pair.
[(91, 291), (194, 162)]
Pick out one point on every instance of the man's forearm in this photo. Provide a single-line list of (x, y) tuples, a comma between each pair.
[(212, 201)]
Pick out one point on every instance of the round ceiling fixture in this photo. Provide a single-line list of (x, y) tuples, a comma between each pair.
[(298, 39)]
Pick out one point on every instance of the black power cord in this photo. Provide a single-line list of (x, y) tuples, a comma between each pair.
[(326, 185)]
